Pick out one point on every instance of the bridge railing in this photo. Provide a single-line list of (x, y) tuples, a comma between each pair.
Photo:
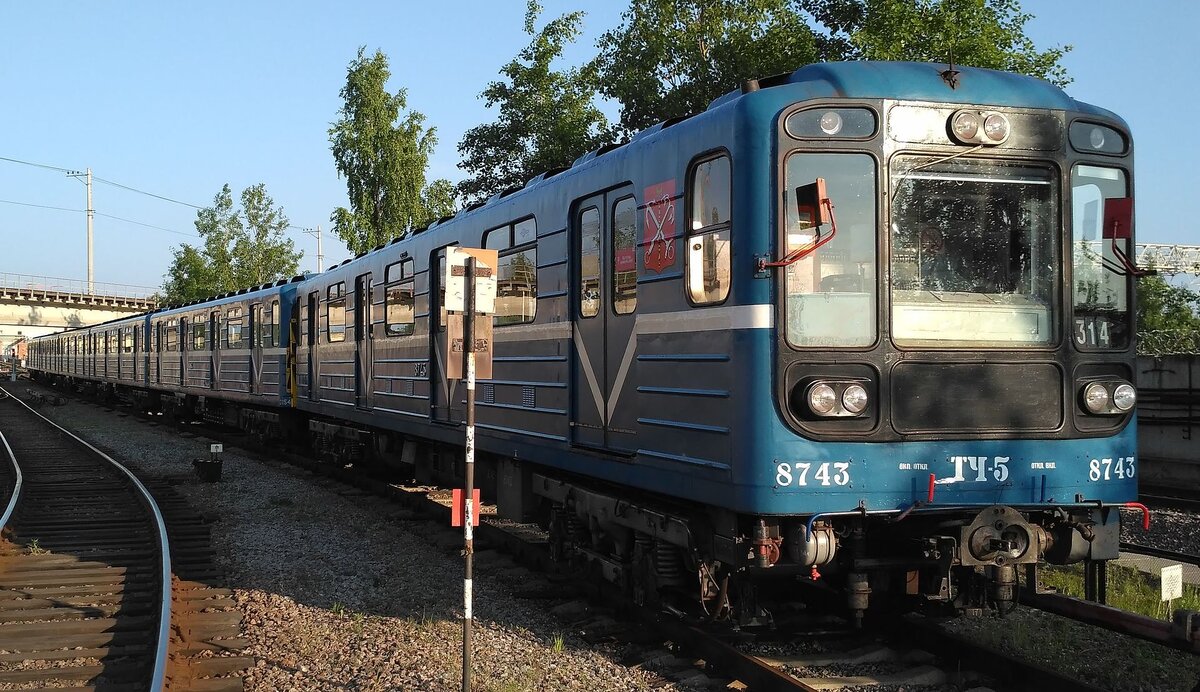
[(34, 286)]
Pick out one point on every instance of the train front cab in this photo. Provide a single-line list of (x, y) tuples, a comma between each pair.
[(953, 353)]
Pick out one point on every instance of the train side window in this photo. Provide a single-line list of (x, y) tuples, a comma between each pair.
[(199, 334), (335, 316), (399, 313), (257, 336), (274, 323), (708, 249), (233, 328), (624, 256), (127, 340), (589, 262), (516, 275)]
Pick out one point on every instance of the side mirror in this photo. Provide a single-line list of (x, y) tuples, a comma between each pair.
[(1118, 218), (810, 207)]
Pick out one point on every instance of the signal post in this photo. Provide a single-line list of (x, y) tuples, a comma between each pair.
[(471, 293)]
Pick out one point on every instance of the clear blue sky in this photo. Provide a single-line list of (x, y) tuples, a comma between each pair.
[(178, 99)]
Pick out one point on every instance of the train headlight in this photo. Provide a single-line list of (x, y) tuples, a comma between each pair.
[(965, 126), (995, 126), (855, 399), (821, 398), (1124, 397), (1096, 398), (831, 122)]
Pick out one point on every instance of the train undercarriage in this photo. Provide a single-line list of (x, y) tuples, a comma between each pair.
[(727, 567)]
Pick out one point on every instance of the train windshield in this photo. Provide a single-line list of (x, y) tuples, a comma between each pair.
[(974, 252)]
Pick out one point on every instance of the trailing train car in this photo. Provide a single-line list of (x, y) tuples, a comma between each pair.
[(228, 350), (868, 321)]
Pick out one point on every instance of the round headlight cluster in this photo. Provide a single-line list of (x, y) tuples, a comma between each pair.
[(979, 127), (832, 398), (1111, 397)]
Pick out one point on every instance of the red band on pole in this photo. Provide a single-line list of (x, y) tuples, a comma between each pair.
[(458, 507), (932, 485)]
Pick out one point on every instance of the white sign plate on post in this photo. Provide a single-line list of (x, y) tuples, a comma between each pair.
[(1172, 582), (485, 279)]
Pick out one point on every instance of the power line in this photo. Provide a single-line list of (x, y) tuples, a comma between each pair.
[(139, 223), (102, 180), (143, 192), (110, 216), (36, 165), (39, 206)]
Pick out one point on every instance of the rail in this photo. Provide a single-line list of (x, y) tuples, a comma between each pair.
[(16, 491), (32, 284), (164, 628)]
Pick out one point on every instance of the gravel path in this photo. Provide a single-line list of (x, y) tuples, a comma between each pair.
[(342, 591)]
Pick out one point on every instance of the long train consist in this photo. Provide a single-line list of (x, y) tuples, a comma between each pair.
[(867, 323)]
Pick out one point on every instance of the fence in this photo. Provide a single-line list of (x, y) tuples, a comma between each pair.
[(36, 286)]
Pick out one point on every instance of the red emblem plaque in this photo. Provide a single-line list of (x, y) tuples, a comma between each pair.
[(659, 234)]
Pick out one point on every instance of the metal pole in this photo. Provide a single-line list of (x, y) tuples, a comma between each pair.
[(91, 213), (320, 255), (469, 491)]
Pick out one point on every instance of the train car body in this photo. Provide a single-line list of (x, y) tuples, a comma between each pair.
[(867, 317)]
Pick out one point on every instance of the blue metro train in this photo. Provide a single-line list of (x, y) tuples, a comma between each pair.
[(864, 322)]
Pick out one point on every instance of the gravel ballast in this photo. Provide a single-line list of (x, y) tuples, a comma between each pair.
[(341, 590)]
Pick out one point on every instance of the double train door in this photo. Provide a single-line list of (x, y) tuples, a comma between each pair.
[(603, 306), (364, 357)]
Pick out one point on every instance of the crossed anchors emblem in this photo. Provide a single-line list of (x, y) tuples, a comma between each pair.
[(660, 259)]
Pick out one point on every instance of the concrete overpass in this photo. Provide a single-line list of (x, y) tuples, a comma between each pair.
[(34, 305)]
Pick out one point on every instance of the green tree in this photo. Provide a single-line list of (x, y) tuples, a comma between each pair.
[(546, 117), (240, 247), (440, 198), (1163, 307), (383, 153), (979, 33), (670, 58)]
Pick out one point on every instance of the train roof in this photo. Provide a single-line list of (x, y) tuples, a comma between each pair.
[(922, 81)]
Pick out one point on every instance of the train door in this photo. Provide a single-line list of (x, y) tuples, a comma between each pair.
[(313, 323), (256, 339), (214, 349), (158, 352), (364, 356), (604, 302), (444, 398)]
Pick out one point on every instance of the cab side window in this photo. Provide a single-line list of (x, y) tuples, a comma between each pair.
[(710, 191)]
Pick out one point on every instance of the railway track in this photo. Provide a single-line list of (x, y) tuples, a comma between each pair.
[(86, 584), (1167, 497)]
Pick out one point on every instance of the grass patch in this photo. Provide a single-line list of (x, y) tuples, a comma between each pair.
[(558, 643), (1128, 589), (34, 549)]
